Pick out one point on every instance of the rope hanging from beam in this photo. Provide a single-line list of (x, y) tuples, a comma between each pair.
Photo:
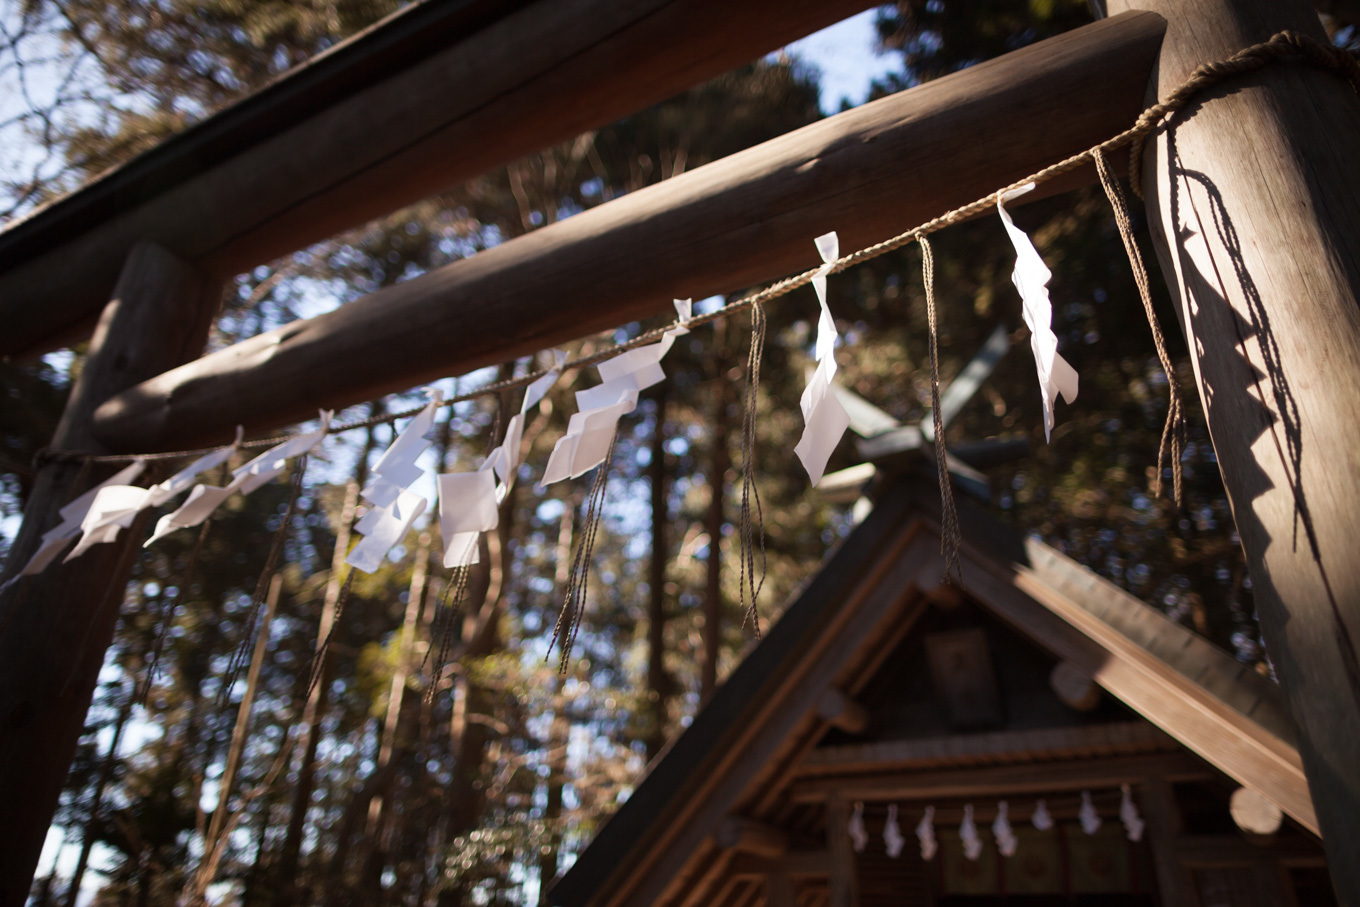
[(1284, 47)]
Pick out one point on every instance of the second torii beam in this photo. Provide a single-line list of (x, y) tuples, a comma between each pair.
[(867, 173)]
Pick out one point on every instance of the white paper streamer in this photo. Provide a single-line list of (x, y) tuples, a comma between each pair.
[(397, 469), (395, 508), (968, 834), (116, 506), (892, 833), (1128, 814), (73, 516), (1090, 819), (925, 833), (113, 510), (469, 503), (824, 419), (468, 506), (599, 408), (1041, 818), (204, 499), (859, 838), (184, 479), (1031, 278), (1002, 831), (505, 458)]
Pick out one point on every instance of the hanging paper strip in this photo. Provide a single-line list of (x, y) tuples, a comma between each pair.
[(1002, 831), (1031, 278), (892, 833), (1042, 819), (505, 458), (116, 506), (1128, 814), (859, 838), (205, 499), (925, 833), (968, 834), (469, 503), (1087, 815), (73, 516), (824, 419), (395, 507), (592, 426)]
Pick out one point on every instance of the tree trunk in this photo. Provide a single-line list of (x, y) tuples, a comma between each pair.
[(397, 736), (559, 732), (658, 681), (97, 800), (719, 463), (289, 887), (480, 638), (241, 733), (1253, 196), (58, 624)]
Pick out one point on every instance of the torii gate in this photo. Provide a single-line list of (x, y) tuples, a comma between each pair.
[(1253, 196)]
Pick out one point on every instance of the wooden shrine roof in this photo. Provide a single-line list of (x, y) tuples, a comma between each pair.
[(760, 750)]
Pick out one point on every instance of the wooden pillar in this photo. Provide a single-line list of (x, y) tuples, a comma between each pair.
[(780, 890), (844, 882), (1253, 197), (57, 625), (1174, 882)]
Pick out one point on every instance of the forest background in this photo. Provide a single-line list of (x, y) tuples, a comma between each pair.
[(453, 762)]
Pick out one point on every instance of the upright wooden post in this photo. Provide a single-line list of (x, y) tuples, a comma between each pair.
[(290, 887), (1253, 196), (58, 624), (1174, 882), (844, 881), (242, 729), (780, 890)]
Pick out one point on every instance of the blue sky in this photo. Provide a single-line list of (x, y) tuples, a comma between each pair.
[(844, 53)]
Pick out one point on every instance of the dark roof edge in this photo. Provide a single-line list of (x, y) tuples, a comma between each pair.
[(389, 46), (672, 772)]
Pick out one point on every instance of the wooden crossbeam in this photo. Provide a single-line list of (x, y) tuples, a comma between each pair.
[(867, 173), (439, 94), (1002, 780), (1126, 737)]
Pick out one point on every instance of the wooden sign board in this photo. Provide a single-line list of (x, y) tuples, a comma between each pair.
[(965, 682)]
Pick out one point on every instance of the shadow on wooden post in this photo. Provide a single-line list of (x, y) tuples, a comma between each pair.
[(58, 624), (1253, 199)]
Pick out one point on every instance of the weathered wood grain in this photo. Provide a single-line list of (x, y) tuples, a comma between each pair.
[(56, 626), (1254, 204)]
